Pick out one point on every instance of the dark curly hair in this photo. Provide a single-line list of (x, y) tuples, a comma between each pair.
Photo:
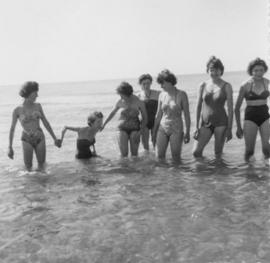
[(124, 89), (256, 62), (27, 88), (144, 77), (166, 75), (93, 116), (215, 63)]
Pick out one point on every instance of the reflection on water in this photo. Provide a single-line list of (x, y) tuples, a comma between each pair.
[(136, 211)]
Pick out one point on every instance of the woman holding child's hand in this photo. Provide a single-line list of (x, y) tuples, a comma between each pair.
[(129, 124)]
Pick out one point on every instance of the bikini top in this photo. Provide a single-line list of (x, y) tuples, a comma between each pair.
[(217, 98), (252, 95), (33, 116)]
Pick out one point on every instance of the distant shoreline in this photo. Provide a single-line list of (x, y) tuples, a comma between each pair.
[(113, 79)]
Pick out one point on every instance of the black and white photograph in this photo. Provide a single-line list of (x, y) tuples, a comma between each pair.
[(134, 131)]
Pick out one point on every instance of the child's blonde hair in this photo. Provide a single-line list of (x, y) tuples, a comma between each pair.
[(93, 116)]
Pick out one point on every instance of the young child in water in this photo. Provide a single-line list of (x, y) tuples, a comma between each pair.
[(86, 135)]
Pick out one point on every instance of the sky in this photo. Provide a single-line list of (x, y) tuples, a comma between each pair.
[(80, 40)]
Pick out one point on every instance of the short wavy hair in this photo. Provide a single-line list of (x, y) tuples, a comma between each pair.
[(166, 75), (28, 88), (93, 116), (124, 89), (254, 63), (215, 63), (144, 77)]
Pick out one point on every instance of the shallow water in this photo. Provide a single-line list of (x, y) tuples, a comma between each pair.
[(131, 210)]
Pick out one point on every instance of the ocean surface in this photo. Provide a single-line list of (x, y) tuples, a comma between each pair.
[(109, 210)]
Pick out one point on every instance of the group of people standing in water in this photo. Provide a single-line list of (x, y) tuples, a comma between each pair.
[(158, 115)]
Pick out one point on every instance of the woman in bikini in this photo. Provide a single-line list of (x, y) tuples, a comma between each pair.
[(129, 124), (150, 99), (211, 117), (256, 93), (33, 139), (168, 123)]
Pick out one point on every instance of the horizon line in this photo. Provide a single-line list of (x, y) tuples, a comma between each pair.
[(109, 79)]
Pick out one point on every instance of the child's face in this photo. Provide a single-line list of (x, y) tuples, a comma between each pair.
[(98, 123)]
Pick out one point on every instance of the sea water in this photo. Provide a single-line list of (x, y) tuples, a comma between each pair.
[(130, 210)]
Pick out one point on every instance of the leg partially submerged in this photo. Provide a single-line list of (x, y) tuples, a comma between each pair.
[(176, 140), (27, 154), (205, 135), (265, 135), (162, 144), (123, 143), (40, 151), (134, 142), (219, 133), (250, 134)]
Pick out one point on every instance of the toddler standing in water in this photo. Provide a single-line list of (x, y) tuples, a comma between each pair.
[(86, 135)]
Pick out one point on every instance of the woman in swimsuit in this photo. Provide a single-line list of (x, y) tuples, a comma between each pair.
[(129, 124), (256, 93), (211, 117), (168, 123), (150, 99), (30, 114), (86, 135)]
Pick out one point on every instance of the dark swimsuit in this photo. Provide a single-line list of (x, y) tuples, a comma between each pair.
[(213, 112), (257, 114), (83, 148), (151, 110), (129, 120)]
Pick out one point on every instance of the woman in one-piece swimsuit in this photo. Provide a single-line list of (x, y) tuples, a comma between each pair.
[(168, 123), (256, 92), (150, 99), (211, 116), (129, 124), (30, 114)]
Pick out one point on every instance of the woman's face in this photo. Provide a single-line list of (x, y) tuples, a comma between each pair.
[(214, 72), (258, 71), (33, 96), (166, 86), (146, 84)]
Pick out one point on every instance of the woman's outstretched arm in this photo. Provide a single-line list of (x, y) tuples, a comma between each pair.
[(48, 127), (185, 104), (11, 133), (229, 94), (111, 115), (158, 118), (239, 101), (199, 110)]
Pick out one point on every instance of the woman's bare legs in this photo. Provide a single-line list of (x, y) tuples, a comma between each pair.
[(219, 133), (250, 134), (161, 144), (265, 135), (145, 138), (134, 141), (205, 135), (123, 143), (176, 140), (40, 151), (27, 155)]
